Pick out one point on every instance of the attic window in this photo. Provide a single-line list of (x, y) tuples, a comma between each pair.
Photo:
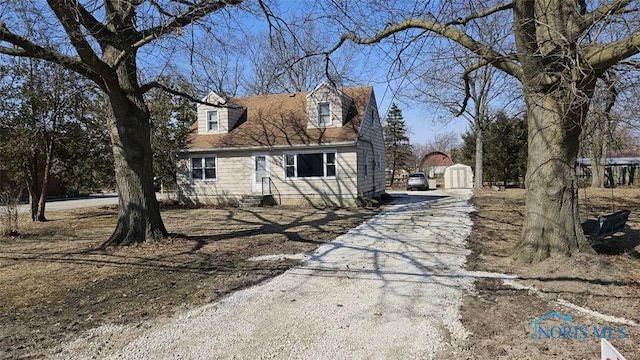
[(212, 121), (324, 114)]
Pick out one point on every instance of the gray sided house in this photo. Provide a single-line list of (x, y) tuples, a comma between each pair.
[(324, 147)]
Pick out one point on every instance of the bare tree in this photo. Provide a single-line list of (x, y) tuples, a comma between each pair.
[(612, 122), (102, 41), (444, 142), (557, 50), (279, 62), (418, 151), (482, 87), (598, 128)]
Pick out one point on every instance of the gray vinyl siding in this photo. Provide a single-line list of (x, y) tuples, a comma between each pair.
[(371, 140)]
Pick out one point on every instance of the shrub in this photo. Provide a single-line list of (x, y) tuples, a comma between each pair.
[(9, 201)]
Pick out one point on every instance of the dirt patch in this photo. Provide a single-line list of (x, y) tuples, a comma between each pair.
[(500, 317), (55, 283)]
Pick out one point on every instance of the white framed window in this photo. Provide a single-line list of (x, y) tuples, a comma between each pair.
[(324, 114), (310, 165), (204, 168), (213, 125), (366, 163)]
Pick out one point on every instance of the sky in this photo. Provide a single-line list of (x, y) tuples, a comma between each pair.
[(423, 121), (370, 67)]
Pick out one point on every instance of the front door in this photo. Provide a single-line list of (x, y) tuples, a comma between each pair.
[(260, 172)]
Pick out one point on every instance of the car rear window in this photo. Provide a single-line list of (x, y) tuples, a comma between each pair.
[(416, 175)]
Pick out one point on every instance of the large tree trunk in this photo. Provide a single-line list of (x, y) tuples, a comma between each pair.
[(551, 211), (128, 118), (479, 176), (139, 217)]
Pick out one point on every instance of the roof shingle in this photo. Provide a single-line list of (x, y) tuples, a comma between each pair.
[(281, 120)]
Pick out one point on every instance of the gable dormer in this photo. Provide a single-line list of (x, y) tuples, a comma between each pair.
[(219, 119), (327, 107)]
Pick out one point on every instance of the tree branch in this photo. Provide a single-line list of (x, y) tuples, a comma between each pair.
[(467, 81), (26, 48), (481, 14), (600, 13), (95, 28), (64, 13), (492, 57), (602, 57), (157, 85), (194, 13), (633, 64)]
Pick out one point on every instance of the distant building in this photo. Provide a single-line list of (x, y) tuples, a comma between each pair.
[(458, 176), (619, 170), (434, 164)]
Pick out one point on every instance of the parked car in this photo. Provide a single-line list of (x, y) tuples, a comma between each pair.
[(417, 181)]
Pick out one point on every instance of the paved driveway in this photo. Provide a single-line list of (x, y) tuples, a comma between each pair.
[(389, 289)]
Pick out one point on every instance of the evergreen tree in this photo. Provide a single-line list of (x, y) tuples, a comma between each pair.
[(43, 105), (466, 154), (85, 149), (397, 145), (505, 153), (171, 119)]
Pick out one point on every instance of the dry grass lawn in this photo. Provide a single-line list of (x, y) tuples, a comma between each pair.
[(55, 283), (499, 316)]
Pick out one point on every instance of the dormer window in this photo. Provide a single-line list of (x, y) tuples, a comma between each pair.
[(324, 114), (213, 124)]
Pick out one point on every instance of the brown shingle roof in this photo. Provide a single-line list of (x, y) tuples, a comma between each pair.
[(281, 120)]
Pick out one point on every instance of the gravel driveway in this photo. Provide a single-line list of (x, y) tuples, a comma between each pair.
[(389, 289)]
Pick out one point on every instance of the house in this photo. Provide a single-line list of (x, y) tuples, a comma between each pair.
[(324, 147)]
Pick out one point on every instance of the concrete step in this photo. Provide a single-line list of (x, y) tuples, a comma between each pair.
[(250, 201)]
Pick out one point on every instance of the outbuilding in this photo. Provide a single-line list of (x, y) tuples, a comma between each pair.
[(458, 176)]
